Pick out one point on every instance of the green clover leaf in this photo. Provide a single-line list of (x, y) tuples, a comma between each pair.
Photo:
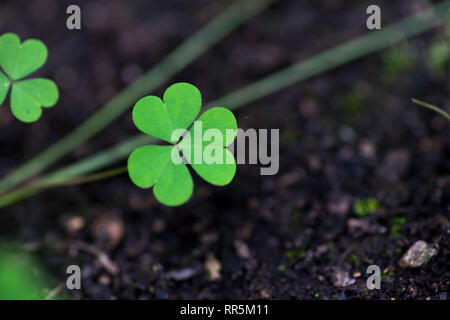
[(164, 167), (222, 171), (18, 60), (182, 103)]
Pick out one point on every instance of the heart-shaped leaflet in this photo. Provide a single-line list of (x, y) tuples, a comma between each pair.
[(182, 103), (28, 96), (19, 60)]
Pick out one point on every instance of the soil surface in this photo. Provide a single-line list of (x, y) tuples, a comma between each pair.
[(345, 136)]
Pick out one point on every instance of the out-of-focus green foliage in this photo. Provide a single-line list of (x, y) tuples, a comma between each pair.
[(21, 278), (398, 223), (448, 25), (364, 207), (353, 258), (353, 102), (397, 61), (296, 254), (438, 57)]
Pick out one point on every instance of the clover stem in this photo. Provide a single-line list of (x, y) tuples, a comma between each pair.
[(31, 189), (95, 177)]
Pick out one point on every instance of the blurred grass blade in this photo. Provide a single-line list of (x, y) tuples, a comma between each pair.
[(431, 107), (181, 57), (347, 52), (320, 63)]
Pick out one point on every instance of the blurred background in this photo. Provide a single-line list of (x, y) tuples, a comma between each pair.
[(364, 173)]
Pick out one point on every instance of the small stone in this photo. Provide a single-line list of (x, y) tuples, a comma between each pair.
[(209, 238), (308, 108), (342, 279), (367, 149), (104, 279), (347, 134), (339, 205), (242, 249), (108, 229), (417, 255), (159, 225), (265, 295), (212, 266), (182, 274), (357, 227), (320, 250), (396, 164), (74, 223), (314, 163)]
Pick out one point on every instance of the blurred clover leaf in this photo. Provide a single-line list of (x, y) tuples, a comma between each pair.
[(163, 167), (18, 60), (21, 275), (363, 207)]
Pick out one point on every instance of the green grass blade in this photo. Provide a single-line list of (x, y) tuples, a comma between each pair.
[(181, 57), (347, 52)]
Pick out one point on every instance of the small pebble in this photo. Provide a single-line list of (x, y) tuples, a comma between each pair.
[(182, 274), (342, 279), (242, 249), (74, 223), (108, 229), (212, 266), (417, 255)]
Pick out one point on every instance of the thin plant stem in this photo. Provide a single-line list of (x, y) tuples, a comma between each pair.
[(181, 57), (93, 177), (434, 108), (31, 189)]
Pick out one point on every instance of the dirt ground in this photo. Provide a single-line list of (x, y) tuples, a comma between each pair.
[(345, 135)]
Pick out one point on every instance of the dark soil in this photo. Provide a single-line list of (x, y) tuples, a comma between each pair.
[(282, 237)]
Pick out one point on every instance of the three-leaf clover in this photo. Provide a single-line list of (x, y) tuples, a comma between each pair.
[(163, 167), (18, 60)]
